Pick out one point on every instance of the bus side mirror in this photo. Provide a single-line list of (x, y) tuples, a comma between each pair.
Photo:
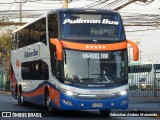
[(135, 50), (59, 50)]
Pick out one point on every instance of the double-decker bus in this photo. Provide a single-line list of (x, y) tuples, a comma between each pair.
[(72, 59)]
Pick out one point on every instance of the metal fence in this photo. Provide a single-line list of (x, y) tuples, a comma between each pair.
[(144, 80), (4, 80)]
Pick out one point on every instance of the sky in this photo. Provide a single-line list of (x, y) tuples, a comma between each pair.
[(147, 36), (149, 39)]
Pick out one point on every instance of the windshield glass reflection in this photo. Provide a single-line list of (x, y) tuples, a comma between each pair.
[(95, 67), (106, 26)]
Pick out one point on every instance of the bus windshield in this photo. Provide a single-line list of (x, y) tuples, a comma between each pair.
[(92, 26), (95, 67)]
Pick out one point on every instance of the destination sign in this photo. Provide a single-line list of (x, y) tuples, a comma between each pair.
[(103, 21), (95, 56)]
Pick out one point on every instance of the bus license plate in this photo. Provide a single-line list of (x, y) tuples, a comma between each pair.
[(97, 105)]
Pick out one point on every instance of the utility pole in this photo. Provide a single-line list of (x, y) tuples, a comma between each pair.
[(20, 8), (20, 11), (65, 4)]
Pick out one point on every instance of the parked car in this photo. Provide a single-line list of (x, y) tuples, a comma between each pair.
[(146, 85), (134, 84)]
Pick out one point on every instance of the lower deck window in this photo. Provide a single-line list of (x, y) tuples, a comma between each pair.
[(35, 70)]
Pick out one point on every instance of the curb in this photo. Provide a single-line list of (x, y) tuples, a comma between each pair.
[(5, 92)]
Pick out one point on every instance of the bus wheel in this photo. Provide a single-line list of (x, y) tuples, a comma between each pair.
[(16, 92), (105, 113), (20, 98)]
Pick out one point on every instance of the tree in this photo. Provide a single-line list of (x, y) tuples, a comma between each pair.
[(5, 46)]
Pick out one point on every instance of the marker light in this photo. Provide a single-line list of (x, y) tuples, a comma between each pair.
[(69, 93), (123, 92)]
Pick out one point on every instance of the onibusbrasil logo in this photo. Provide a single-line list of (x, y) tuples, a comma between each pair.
[(21, 114)]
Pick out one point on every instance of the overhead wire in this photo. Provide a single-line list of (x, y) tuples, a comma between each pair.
[(114, 4), (62, 3), (9, 8), (147, 3), (96, 4), (143, 30), (15, 10)]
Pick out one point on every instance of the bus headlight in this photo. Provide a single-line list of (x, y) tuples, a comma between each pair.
[(123, 92), (68, 92)]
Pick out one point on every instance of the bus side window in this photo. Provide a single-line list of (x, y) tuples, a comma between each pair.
[(42, 30), (53, 58), (35, 70), (52, 26), (14, 41), (56, 65), (19, 39), (45, 73)]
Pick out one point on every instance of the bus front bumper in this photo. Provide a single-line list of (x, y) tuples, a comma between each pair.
[(71, 103)]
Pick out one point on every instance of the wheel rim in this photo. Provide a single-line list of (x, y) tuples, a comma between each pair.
[(48, 101), (21, 99), (17, 95)]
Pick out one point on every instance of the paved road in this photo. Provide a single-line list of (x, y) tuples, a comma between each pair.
[(144, 93), (7, 103)]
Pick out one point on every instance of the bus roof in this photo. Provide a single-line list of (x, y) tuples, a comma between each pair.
[(85, 10), (80, 10)]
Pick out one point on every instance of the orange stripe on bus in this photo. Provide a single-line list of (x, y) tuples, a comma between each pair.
[(53, 93), (35, 93), (135, 50), (55, 96), (86, 47), (13, 79), (59, 49), (95, 47)]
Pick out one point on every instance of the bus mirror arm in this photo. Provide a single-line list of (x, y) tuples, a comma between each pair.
[(135, 50), (59, 50)]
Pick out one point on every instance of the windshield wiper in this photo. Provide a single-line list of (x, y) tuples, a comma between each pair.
[(97, 74), (73, 81), (120, 81), (114, 80), (106, 76)]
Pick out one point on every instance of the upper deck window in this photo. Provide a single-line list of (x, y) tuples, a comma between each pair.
[(94, 26)]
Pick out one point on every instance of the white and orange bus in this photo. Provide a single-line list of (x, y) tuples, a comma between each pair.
[(72, 59)]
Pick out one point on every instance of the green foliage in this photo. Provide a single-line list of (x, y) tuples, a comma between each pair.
[(5, 46), (5, 41)]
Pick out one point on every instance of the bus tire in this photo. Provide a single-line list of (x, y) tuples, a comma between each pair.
[(20, 98), (16, 92), (105, 113)]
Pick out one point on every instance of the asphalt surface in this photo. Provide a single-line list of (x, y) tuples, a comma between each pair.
[(9, 104)]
